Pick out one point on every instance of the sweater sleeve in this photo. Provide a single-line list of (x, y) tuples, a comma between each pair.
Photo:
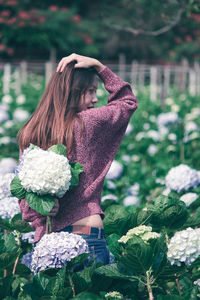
[(110, 121)]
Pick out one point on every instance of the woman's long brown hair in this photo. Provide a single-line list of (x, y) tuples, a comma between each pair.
[(53, 120)]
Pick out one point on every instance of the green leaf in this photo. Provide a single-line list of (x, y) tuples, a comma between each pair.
[(116, 271), (5, 286), (41, 204), (19, 224), (76, 170), (5, 224), (58, 149), (114, 246), (10, 245), (137, 255), (78, 259), (7, 259), (87, 296), (17, 189), (116, 220)]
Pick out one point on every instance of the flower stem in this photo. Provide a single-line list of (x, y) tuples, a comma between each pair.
[(71, 283), (151, 297), (48, 225), (15, 265)]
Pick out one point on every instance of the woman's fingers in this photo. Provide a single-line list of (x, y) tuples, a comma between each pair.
[(82, 62), (65, 61)]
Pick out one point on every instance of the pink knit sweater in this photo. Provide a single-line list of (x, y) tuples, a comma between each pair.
[(104, 129)]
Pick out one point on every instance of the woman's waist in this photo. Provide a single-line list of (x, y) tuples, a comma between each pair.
[(90, 221)]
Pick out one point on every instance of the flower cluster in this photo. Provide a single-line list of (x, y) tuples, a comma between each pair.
[(184, 247), (189, 198), (113, 295), (56, 249), (45, 172), (182, 178), (166, 118), (144, 232), (5, 181), (7, 165), (9, 207), (28, 237), (115, 170)]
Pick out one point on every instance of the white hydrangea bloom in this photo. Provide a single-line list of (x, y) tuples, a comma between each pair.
[(7, 165), (8, 124), (45, 172), (20, 99), (9, 207), (28, 237), (3, 116), (4, 107), (20, 115), (5, 140), (184, 247), (152, 149), (189, 198), (167, 118), (182, 178), (126, 158), (129, 129), (54, 250), (172, 137), (190, 126), (143, 231), (154, 135), (113, 295), (197, 282), (111, 185), (7, 99), (131, 200), (115, 170), (109, 197), (133, 190), (146, 126)]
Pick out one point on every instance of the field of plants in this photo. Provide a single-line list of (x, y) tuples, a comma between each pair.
[(151, 199)]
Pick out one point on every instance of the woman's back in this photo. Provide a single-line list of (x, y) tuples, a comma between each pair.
[(94, 148)]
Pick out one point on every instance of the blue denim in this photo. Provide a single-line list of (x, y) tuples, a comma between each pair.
[(97, 244)]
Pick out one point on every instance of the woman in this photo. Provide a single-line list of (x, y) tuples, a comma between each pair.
[(66, 114)]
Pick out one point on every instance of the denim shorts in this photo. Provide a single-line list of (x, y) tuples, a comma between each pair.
[(97, 244)]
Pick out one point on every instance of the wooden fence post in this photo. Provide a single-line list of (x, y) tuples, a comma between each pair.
[(6, 78), (192, 82), (48, 71), (17, 78), (197, 72), (134, 71), (153, 83), (23, 66), (122, 66)]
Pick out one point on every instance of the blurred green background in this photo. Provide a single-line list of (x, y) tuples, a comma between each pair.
[(148, 31)]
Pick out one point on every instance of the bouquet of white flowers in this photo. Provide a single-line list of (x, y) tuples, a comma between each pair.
[(44, 175)]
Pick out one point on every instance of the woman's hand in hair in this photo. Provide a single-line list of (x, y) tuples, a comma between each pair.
[(82, 62), (55, 209)]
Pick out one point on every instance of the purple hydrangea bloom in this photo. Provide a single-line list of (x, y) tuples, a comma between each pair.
[(27, 259), (9, 207), (56, 249)]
